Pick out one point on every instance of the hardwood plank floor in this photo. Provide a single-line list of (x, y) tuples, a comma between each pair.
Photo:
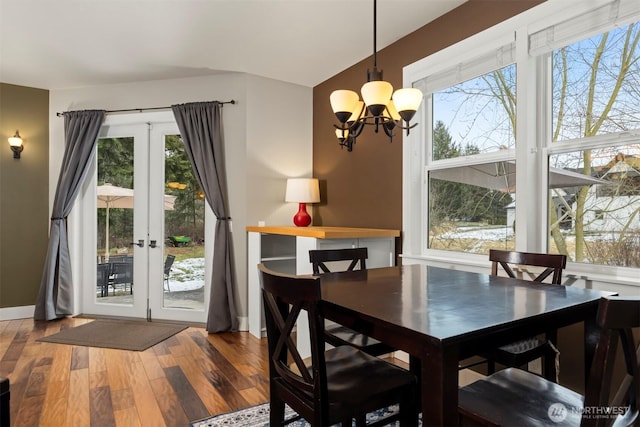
[(189, 376)]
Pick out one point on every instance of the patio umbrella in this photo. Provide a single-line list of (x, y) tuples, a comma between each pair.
[(111, 196), (501, 176)]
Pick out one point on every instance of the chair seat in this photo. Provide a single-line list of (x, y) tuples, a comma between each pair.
[(520, 391), (521, 352), (349, 371), (338, 335)]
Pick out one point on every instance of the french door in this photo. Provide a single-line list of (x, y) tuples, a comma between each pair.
[(145, 256)]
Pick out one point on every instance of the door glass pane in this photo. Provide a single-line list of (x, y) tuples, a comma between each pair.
[(184, 273), (115, 221)]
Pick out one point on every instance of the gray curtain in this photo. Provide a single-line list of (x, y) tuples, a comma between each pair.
[(200, 125), (55, 298)]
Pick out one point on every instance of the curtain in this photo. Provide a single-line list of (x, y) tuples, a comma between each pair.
[(55, 297), (201, 129)]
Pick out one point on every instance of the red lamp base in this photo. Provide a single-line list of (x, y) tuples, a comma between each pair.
[(302, 218)]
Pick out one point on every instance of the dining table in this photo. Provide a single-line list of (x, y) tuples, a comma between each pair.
[(440, 316)]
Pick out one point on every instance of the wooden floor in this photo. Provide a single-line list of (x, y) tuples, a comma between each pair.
[(188, 377)]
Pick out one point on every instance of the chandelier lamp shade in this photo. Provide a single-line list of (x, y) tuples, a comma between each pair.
[(380, 105), (302, 191)]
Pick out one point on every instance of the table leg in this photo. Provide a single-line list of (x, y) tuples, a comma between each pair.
[(439, 387)]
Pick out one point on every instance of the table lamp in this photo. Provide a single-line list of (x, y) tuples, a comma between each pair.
[(302, 191)]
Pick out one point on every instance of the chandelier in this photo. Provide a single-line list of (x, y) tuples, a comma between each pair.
[(380, 105)]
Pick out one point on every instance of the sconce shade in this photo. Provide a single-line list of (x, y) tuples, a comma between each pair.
[(302, 190), (15, 142)]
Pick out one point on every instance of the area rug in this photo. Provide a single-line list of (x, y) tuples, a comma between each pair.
[(258, 416), (118, 334)]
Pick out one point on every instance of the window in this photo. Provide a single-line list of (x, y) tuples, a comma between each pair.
[(471, 169), (573, 131)]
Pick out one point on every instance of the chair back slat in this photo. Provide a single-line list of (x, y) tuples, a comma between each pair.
[(553, 263), (617, 316), (318, 258), (285, 297)]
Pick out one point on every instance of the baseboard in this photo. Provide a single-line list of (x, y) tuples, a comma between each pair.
[(243, 323), (12, 313)]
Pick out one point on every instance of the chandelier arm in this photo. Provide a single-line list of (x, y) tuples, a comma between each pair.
[(388, 129), (407, 127)]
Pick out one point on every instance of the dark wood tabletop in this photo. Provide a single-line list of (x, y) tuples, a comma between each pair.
[(441, 316)]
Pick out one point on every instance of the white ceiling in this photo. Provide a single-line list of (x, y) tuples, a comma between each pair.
[(56, 44)]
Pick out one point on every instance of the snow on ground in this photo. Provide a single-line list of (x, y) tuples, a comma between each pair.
[(500, 233), (187, 274)]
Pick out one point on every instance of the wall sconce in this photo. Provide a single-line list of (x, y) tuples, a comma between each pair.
[(16, 145), (302, 191)]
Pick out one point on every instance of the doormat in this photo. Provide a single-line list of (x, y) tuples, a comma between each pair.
[(118, 334)]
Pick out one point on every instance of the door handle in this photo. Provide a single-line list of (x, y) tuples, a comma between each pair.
[(152, 243), (140, 243)]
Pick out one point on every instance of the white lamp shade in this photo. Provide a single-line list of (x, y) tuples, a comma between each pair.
[(343, 101), (14, 141), (302, 190), (407, 99), (377, 92)]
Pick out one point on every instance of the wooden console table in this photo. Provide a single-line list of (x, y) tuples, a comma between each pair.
[(286, 249)]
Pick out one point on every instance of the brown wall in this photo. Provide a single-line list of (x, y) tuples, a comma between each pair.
[(364, 188), (24, 193)]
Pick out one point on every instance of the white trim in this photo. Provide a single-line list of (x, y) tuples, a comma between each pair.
[(533, 147), (14, 313)]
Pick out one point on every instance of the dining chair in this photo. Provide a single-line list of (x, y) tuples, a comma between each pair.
[(513, 397), (339, 384), (338, 334), (522, 352)]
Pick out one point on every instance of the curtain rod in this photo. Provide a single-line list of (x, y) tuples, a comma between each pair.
[(140, 110)]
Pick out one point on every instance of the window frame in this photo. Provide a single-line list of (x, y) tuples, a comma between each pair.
[(533, 147)]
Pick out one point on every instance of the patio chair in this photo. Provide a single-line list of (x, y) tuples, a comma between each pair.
[(338, 334), (121, 274), (168, 263), (514, 397), (340, 384), (102, 279)]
